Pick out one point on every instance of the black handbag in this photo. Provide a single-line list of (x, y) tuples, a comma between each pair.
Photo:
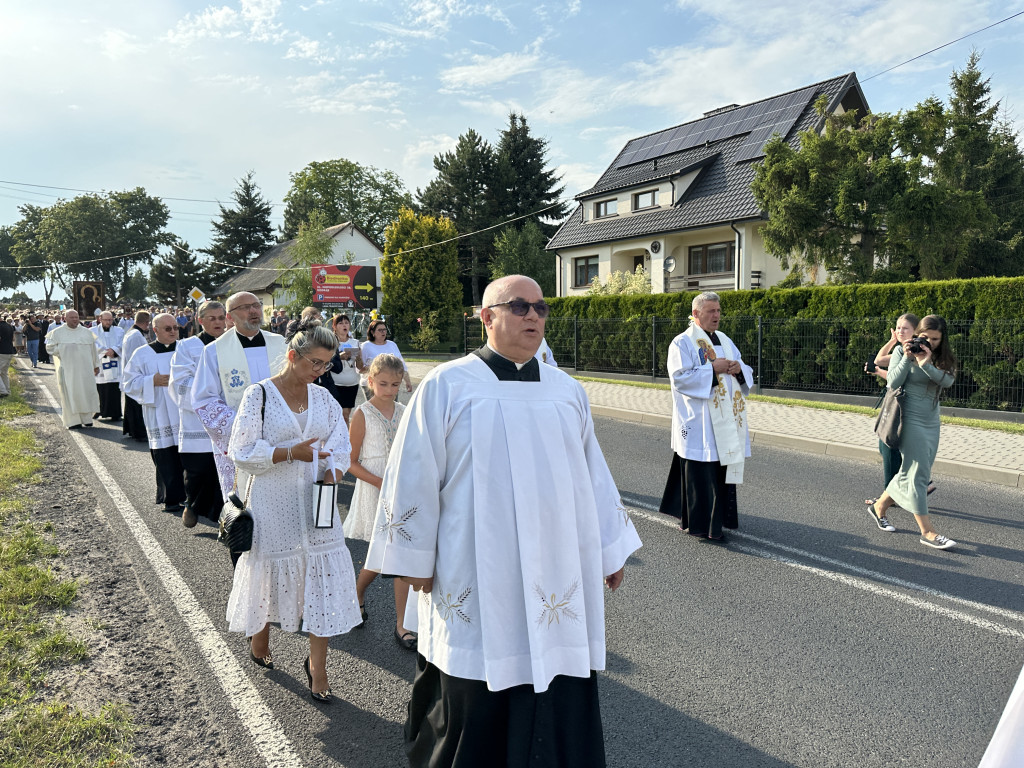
[(235, 526), (889, 424)]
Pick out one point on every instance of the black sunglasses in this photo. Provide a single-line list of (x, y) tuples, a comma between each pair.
[(521, 307)]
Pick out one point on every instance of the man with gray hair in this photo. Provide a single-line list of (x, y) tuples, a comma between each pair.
[(74, 347), (136, 336), (145, 380), (109, 340), (202, 488), (710, 436)]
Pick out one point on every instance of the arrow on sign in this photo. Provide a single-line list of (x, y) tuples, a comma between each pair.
[(367, 287)]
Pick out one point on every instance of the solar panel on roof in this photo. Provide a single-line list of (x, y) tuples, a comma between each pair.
[(761, 120)]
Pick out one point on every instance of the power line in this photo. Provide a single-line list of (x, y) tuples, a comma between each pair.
[(87, 261), (944, 45), (99, 192)]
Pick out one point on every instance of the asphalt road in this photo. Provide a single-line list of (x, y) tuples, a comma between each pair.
[(811, 639)]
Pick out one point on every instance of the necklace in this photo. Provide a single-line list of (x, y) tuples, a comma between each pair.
[(294, 396)]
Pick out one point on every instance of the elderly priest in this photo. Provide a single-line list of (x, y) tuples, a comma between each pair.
[(498, 505), (108, 381), (74, 348)]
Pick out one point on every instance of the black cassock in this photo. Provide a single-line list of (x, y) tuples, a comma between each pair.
[(458, 723), (697, 494), (133, 423)]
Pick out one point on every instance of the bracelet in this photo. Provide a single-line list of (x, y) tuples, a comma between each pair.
[(289, 454)]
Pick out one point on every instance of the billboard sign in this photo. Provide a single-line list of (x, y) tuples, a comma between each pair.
[(345, 286)]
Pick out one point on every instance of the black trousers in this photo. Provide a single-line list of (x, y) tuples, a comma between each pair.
[(170, 482), (710, 501), (133, 424), (110, 400), (458, 723), (202, 489)]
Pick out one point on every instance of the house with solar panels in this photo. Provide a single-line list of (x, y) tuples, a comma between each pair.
[(679, 203)]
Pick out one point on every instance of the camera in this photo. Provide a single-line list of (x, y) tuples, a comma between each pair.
[(918, 344)]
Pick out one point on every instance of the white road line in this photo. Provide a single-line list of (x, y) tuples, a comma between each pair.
[(267, 734), (864, 584)]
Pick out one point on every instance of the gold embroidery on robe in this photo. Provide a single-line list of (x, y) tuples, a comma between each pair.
[(555, 609)]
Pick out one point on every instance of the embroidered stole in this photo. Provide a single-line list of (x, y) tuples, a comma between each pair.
[(234, 366), (727, 406)]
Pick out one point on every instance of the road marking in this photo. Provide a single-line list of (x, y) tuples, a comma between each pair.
[(267, 734), (641, 508)]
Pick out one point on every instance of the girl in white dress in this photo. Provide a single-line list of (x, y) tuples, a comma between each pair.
[(295, 575), (374, 424)]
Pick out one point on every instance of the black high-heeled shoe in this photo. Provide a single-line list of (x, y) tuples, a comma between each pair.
[(323, 697), (267, 662)]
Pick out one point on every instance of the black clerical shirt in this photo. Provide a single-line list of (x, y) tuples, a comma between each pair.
[(159, 348), (207, 338), (505, 369), (255, 341)]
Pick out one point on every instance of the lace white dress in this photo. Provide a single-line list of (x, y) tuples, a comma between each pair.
[(380, 433), (295, 574)]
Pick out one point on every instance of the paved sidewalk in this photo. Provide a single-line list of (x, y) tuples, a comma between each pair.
[(976, 454)]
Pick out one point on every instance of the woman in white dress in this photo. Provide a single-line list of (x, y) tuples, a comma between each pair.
[(378, 343), (295, 575)]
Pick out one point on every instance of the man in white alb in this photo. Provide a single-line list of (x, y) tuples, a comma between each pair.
[(497, 505), (136, 336), (710, 435), (202, 487), (108, 381), (74, 347), (230, 364), (146, 377)]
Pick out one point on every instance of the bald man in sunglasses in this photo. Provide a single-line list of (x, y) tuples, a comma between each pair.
[(498, 506)]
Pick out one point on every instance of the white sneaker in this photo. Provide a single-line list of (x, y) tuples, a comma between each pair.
[(939, 542), (882, 522)]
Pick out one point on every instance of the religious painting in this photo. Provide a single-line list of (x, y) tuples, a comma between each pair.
[(88, 298)]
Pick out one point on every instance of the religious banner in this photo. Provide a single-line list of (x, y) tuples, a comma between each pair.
[(88, 298), (345, 286)]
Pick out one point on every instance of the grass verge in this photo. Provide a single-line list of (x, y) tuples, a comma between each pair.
[(38, 729), (1009, 427)]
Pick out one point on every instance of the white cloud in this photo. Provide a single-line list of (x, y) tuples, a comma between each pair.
[(260, 14), (117, 44), (324, 93), (489, 70), (210, 23), (310, 50), (577, 177), (420, 155)]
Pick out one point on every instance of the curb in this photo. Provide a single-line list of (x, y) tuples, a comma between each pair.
[(1006, 477)]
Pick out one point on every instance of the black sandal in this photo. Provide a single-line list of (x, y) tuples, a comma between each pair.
[(324, 697), (407, 640), (267, 662)]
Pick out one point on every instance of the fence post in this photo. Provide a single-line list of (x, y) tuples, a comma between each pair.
[(465, 335), (760, 338), (654, 348), (575, 343)]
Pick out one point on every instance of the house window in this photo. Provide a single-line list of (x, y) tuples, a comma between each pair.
[(585, 270), (647, 199), (605, 208), (711, 259)]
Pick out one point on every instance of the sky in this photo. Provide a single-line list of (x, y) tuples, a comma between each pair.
[(183, 98)]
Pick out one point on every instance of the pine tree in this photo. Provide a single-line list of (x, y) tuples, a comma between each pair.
[(523, 183), (242, 233), (176, 273), (463, 193), (521, 252)]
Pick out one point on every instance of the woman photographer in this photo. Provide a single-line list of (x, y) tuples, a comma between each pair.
[(903, 331), (923, 366)]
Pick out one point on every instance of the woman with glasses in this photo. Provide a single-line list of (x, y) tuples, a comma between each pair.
[(378, 343), (296, 575), (345, 365)]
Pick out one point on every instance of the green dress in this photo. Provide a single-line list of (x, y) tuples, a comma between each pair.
[(919, 440)]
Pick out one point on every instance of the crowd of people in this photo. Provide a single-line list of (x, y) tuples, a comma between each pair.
[(497, 582)]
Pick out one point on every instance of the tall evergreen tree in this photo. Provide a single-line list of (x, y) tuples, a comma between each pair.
[(521, 252), (463, 193), (243, 232), (523, 183), (177, 272)]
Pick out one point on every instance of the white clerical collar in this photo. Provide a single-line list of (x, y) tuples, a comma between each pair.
[(519, 366)]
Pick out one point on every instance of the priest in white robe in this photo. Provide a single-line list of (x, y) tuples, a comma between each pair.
[(227, 367), (497, 505), (145, 380), (1006, 749), (195, 449), (109, 340), (710, 434), (74, 348), (136, 336)]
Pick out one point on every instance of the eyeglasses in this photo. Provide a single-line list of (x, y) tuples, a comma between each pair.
[(319, 366), (521, 307), (247, 307)]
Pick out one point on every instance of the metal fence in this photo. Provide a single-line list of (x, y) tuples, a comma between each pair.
[(812, 355)]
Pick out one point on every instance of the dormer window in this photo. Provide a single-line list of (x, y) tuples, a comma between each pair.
[(604, 208), (648, 199)]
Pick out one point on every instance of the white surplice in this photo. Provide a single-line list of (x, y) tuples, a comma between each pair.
[(295, 574), (499, 490), (110, 367), (158, 409), (1006, 749), (132, 340), (210, 404), (192, 436), (692, 376), (75, 353)]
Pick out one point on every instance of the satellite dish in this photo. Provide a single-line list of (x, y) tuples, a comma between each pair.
[(669, 264)]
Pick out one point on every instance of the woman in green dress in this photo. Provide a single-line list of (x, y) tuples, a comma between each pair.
[(923, 370)]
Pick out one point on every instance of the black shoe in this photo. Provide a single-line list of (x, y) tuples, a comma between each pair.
[(75, 426), (267, 662), (188, 518), (172, 508), (323, 697), (407, 640), (723, 539)]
